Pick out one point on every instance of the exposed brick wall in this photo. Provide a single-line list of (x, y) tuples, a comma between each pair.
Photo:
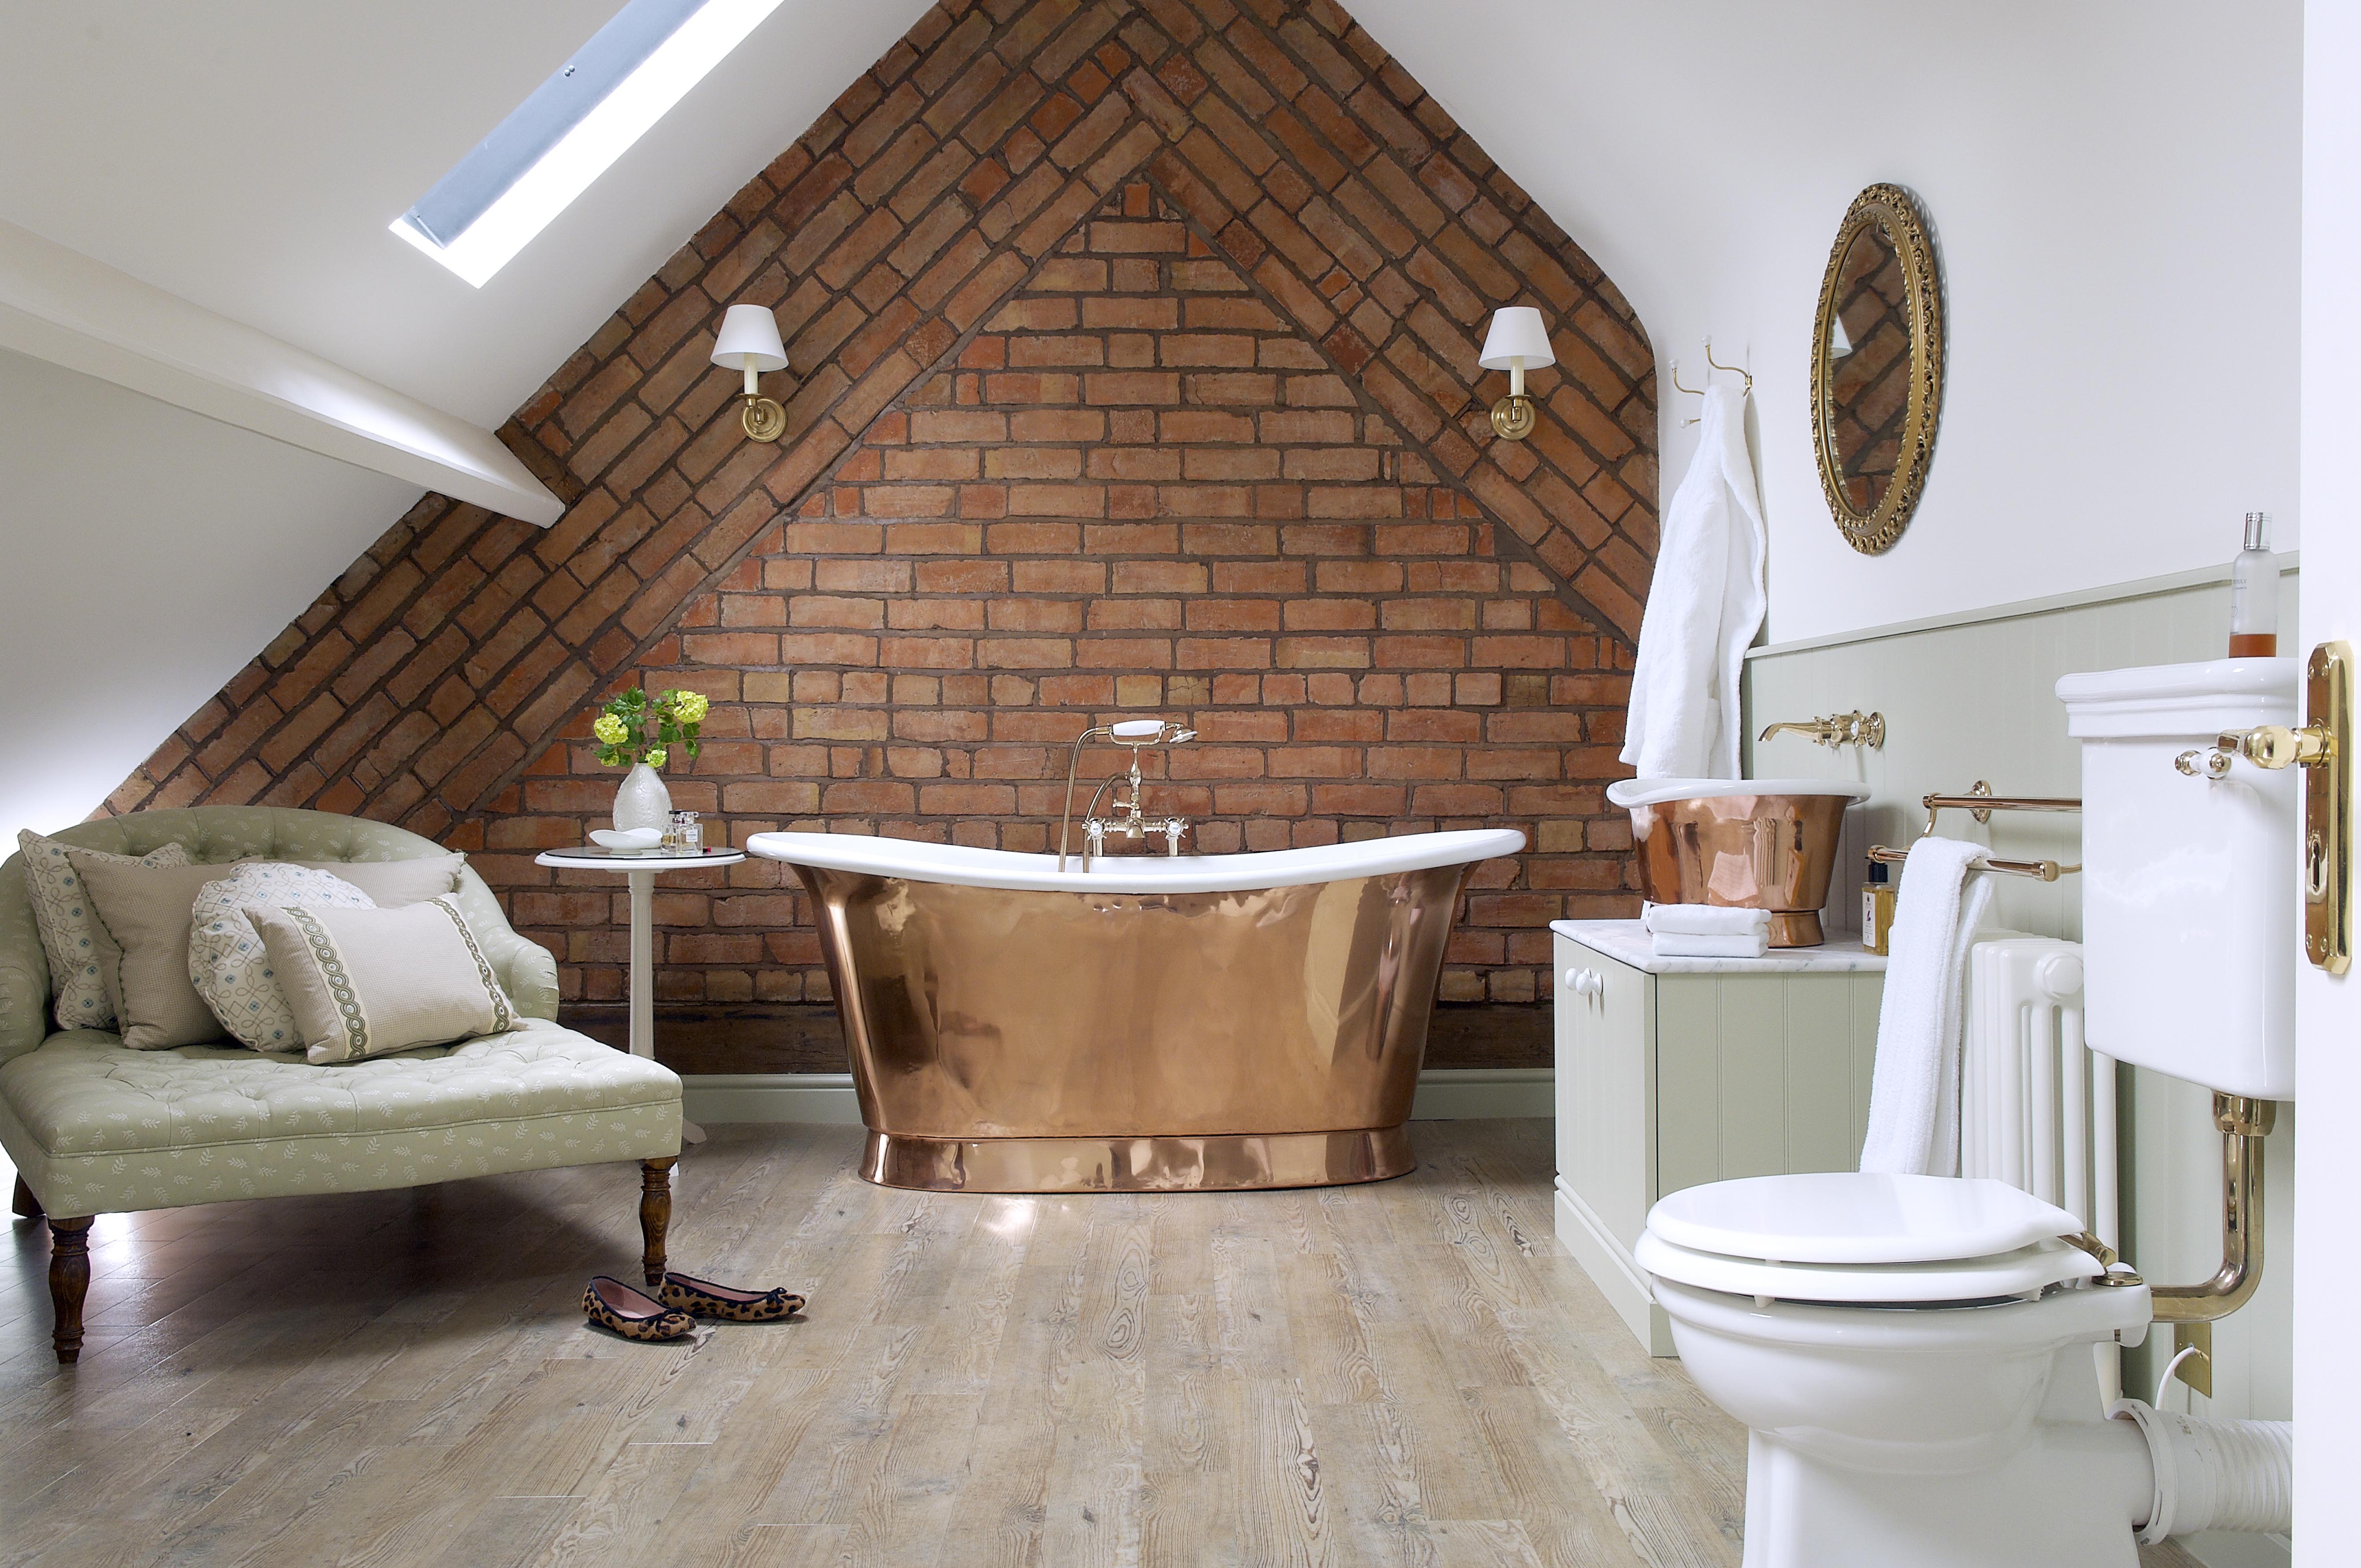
[(1134, 371)]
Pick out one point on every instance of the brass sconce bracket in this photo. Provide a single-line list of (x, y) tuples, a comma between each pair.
[(763, 419), (1513, 418)]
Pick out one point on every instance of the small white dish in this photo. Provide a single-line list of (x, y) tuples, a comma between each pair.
[(626, 838)]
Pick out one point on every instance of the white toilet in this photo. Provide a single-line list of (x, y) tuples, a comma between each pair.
[(1912, 1354)]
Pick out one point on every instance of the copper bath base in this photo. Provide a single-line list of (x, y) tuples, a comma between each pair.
[(1221, 1162)]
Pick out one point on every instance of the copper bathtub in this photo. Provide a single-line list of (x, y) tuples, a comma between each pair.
[(1150, 1025)]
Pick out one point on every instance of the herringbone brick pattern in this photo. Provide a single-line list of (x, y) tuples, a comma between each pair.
[(1133, 368)]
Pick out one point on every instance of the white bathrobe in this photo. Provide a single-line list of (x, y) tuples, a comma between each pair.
[(1705, 606)]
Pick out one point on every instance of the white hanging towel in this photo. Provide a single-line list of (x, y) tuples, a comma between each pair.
[(1705, 606), (1914, 1089)]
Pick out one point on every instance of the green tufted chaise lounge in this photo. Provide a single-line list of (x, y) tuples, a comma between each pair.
[(95, 1128)]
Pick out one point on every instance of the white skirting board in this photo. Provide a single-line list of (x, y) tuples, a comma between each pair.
[(1444, 1094), (1610, 1266)]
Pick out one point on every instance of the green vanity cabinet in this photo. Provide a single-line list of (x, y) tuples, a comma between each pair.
[(1676, 1071)]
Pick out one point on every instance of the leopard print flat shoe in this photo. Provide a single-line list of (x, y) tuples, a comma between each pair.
[(634, 1314), (706, 1299)]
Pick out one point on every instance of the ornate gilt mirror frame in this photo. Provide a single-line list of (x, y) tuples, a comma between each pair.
[(1892, 209)]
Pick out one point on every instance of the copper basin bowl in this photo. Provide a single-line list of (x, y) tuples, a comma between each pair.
[(1746, 843)]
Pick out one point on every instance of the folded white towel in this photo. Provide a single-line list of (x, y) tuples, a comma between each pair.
[(1696, 945), (1704, 920), (1913, 1092), (1705, 604)]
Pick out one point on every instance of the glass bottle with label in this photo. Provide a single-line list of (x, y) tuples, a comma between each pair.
[(1877, 896), (2255, 593)]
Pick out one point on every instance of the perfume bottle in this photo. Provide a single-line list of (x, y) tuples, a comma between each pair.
[(1877, 896), (2255, 593)]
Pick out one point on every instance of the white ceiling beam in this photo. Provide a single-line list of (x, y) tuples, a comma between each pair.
[(60, 305)]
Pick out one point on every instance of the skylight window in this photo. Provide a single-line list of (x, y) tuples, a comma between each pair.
[(572, 126)]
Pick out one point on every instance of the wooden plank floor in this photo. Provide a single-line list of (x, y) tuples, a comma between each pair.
[(1409, 1373)]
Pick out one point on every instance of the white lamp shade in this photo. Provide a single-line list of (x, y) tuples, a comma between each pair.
[(1517, 332), (749, 329)]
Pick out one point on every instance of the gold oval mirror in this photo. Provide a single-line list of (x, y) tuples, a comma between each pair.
[(1877, 367)]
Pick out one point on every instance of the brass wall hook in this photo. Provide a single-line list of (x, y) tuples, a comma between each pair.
[(1748, 390), (1692, 392)]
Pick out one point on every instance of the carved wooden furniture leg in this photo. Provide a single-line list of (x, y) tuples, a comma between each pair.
[(655, 1215), (23, 1202), (69, 1283)]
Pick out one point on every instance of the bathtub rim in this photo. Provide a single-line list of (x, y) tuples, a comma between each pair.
[(1636, 793), (960, 865)]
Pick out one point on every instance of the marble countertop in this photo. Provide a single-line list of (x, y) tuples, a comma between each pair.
[(1626, 942)]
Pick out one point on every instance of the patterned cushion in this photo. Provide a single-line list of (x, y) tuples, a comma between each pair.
[(62, 915), (217, 835), (99, 1129), (228, 962), (363, 982)]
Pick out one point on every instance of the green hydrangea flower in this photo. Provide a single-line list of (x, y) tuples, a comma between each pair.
[(655, 759), (609, 730)]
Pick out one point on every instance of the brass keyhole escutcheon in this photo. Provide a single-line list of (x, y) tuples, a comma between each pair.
[(2323, 749), (2327, 807)]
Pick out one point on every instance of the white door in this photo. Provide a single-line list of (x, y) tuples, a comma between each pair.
[(2327, 1259)]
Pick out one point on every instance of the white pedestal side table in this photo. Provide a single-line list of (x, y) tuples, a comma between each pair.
[(640, 869)]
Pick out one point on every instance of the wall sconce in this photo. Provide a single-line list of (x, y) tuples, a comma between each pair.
[(1518, 340), (748, 340)]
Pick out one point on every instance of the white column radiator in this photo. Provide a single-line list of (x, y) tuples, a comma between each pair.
[(2037, 1106)]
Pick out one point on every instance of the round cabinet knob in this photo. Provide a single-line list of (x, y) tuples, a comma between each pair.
[(1584, 982), (2059, 974)]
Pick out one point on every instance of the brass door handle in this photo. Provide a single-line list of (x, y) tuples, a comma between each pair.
[(2277, 746), (2322, 748)]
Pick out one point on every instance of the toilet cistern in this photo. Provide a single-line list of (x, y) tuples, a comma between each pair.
[(1127, 815)]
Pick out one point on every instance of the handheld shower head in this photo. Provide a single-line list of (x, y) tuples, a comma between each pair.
[(1139, 732)]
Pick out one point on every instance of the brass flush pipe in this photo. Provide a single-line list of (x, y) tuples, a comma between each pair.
[(2243, 1123)]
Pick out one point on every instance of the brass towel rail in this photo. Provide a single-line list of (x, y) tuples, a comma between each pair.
[(1982, 803)]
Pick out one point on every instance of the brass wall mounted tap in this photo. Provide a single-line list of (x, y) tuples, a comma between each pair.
[(1839, 730)]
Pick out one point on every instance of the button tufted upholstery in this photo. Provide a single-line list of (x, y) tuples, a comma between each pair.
[(95, 1128), (215, 833)]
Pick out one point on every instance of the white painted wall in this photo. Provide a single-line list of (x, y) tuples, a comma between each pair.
[(146, 553), (2328, 1011), (2114, 188), (247, 155)]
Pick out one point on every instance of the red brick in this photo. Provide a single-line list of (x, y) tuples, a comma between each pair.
[(1146, 486)]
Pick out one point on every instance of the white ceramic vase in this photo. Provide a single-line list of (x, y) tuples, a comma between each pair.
[(643, 800)]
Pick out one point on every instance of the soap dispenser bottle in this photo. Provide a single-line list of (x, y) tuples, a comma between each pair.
[(2255, 593)]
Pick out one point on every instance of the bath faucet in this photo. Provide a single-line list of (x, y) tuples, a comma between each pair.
[(1126, 816), (1839, 730)]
